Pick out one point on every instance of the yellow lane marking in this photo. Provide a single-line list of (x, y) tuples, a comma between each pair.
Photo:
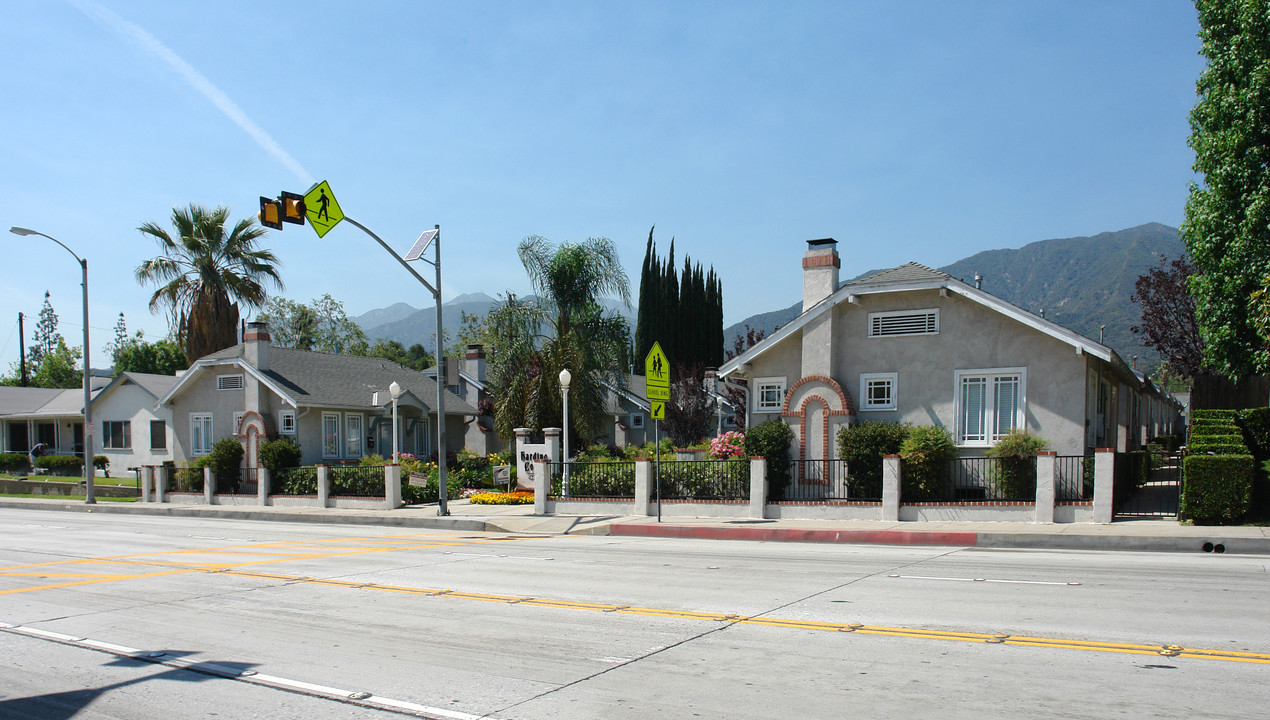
[(880, 630), (256, 551)]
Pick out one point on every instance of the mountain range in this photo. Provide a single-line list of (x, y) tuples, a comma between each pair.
[(1083, 283)]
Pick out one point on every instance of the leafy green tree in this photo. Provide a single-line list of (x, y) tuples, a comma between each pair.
[(59, 369), (1227, 226), (320, 325), (526, 361), (204, 272), (416, 358), (164, 357)]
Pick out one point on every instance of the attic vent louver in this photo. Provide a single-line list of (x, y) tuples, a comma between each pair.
[(905, 322), (229, 382)]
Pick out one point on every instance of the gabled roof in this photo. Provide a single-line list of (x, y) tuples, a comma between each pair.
[(312, 379), (154, 385), (915, 276), (42, 402)]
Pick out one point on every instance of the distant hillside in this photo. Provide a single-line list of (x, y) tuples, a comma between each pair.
[(419, 326), (383, 316), (1080, 283)]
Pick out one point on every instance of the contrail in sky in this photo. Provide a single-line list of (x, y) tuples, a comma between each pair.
[(138, 35)]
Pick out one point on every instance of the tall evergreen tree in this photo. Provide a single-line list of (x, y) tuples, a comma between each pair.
[(682, 310)]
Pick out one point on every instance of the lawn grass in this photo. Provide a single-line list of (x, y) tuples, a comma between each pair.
[(116, 481)]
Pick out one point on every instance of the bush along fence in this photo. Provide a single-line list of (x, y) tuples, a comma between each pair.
[(360, 486), (1223, 472), (1044, 488)]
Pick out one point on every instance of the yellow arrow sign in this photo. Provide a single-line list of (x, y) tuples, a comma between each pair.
[(659, 410), (321, 208)]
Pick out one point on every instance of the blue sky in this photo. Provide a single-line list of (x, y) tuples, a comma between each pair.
[(908, 131)]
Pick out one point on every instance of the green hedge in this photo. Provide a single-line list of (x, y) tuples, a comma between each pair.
[(14, 462), (1205, 448), (772, 441), (1199, 415), (863, 446), (1255, 423), (1218, 488), (1218, 439), (61, 464)]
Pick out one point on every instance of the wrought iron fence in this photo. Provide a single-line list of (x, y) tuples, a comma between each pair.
[(594, 479), (826, 480), (357, 480), (705, 480), (1131, 471), (975, 478), (295, 481), (249, 481), (1073, 478), (183, 479)]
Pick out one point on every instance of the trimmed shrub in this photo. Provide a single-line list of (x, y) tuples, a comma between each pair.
[(275, 455), (1015, 471), (1199, 415), (413, 495), (1255, 423), (863, 446), (15, 462), (190, 477), (1218, 439), (1206, 448), (225, 459), (1217, 488), (925, 452), (296, 480), (61, 464), (771, 440)]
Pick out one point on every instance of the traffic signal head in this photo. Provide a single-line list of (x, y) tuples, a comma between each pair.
[(270, 213), (292, 207)]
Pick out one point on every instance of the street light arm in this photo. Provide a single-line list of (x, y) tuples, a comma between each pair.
[(26, 231)]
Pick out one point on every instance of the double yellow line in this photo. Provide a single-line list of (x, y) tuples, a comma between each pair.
[(729, 618)]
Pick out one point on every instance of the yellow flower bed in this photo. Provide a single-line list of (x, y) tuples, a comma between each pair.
[(512, 498)]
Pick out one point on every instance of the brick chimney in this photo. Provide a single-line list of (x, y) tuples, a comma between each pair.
[(820, 271), (256, 344), (474, 362)]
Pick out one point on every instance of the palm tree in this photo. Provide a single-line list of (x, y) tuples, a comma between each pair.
[(563, 327), (204, 273)]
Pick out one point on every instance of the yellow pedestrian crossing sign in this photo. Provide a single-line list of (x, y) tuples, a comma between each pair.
[(659, 410), (657, 374), (321, 208)]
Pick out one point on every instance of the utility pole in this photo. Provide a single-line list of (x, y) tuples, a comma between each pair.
[(22, 350)]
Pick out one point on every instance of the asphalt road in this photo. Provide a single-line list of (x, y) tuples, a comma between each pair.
[(109, 616)]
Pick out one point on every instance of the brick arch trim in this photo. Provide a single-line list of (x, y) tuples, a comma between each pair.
[(836, 396), (845, 406)]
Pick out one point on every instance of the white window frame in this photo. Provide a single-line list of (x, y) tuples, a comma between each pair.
[(637, 421), (991, 377), (238, 422), (286, 422), (876, 316), (125, 431), (867, 379), (354, 442), (224, 382), (778, 383), (327, 452), (204, 420)]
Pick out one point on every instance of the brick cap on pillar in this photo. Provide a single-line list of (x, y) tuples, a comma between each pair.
[(1104, 450), (1047, 452), (891, 456)]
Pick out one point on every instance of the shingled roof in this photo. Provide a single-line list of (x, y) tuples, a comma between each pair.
[(906, 273), (330, 380)]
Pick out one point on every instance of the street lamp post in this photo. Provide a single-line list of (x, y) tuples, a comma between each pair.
[(395, 390), (88, 412), (565, 379)]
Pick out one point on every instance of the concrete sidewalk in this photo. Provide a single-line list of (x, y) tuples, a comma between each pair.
[(1139, 535)]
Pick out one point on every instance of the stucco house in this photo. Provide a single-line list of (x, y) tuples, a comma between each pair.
[(917, 345), (132, 432), (51, 416), (468, 382), (337, 407)]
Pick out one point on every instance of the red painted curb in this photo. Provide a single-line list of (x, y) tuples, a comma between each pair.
[(870, 537)]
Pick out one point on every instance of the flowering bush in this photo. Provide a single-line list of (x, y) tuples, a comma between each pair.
[(519, 497), (728, 445)]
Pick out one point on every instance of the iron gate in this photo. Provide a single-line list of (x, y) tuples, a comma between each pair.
[(1159, 496)]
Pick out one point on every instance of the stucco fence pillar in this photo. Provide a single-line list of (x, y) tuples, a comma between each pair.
[(209, 484), (323, 484), (161, 483), (758, 487), (1104, 484), (1046, 470), (392, 486), (147, 482), (643, 486), (542, 486), (263, 479), (891, 488)]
